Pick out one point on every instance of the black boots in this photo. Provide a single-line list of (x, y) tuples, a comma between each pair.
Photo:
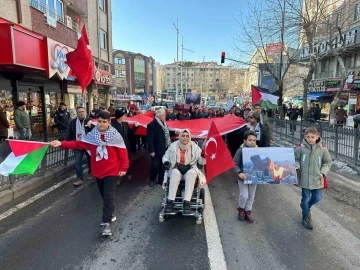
[(186, 208), (169, 207)]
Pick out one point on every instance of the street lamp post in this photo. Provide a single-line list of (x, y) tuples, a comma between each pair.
[(177, 56), (182, 64)]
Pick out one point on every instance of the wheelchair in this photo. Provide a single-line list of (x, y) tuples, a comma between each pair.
[(197, 203)]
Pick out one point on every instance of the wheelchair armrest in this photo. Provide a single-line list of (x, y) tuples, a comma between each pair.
[(166, 165)]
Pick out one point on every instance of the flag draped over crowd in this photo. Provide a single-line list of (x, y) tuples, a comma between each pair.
[(198, 127), (21, 157)]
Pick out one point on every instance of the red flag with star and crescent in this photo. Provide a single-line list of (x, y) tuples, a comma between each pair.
[(217, 155)]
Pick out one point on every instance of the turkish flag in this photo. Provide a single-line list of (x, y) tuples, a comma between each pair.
[(80, 61), (217, 155)]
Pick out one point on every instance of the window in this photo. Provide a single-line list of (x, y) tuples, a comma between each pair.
[(357, 12), (60, 11), (102, 4), (119, 60), (103, 42)]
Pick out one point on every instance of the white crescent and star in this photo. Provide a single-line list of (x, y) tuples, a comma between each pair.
[(211, 139)]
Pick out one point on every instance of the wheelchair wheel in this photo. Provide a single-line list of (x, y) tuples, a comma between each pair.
[(202, 197)]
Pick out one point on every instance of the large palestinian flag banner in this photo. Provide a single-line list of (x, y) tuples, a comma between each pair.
[(21, 157)]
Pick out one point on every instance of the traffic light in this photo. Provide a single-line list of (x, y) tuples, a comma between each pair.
[(222, 57)]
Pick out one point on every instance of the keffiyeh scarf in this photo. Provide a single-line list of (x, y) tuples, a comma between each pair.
[(166, 131), (80, 129), (111, 137), (256, 129)]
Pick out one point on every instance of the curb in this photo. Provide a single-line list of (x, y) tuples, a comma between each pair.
[(23, 187)]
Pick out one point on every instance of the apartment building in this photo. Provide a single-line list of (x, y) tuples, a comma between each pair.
[(36, 35), (340, 31), (134, 73), (207, 78)]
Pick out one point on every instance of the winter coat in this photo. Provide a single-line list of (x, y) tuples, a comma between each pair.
[(22, 119), (340, 115), (266, 123), (71, 132), (313, 161), (170, 116), (155, 138), (264, 136), (124, 131), (62, 119), (238, 159), (4, 125), (171, 156)]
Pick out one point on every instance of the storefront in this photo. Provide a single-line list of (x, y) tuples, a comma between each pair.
[(38, 75)]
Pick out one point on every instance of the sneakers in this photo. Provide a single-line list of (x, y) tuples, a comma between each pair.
[(106, 230), (90, 177), (241, 214), (112, 220), (79, 182), (169, 207), (249, 217), (186, 208), (306, 222)]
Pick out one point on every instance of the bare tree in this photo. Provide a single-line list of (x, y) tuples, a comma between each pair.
[(322, 35), (268, 23)]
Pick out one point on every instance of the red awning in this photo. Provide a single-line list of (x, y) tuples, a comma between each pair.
[(21, 46)]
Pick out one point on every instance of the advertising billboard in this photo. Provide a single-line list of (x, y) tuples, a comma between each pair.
[(265, 78)]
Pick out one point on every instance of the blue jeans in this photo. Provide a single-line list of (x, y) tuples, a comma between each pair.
[(78, 155), (308, 199), (24, 133)]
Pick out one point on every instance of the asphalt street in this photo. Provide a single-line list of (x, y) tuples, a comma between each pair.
[(61, 230)]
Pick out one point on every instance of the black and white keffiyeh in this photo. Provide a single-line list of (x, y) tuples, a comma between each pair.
[(111, 137), (80, 129)]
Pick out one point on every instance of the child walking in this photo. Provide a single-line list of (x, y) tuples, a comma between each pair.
[(247, 191), (313, 161)]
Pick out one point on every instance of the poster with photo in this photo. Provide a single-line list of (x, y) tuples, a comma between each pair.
[(275, 165)]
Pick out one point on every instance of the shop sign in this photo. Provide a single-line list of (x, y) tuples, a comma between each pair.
[(121, 97), (332, 84), (56, 59), (74, 89), (102, 77), (317, 86), (324, 46)]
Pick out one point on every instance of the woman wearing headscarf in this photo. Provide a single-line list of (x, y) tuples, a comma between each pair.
[(254, 124), (181, 159)]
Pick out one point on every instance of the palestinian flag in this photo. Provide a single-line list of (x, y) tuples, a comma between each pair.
[(21, 157), (263, 97)]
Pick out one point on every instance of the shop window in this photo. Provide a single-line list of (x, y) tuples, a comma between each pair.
[(103, 39), (6, 104)]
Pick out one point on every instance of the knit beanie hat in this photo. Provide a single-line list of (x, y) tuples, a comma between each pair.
[(119, 113)]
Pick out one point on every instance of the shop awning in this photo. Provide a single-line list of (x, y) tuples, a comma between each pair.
[(314, 95), (21, 46)]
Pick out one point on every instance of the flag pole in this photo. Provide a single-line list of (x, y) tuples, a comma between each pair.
[(36, 142)]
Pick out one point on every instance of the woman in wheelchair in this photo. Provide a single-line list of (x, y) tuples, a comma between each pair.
[(181, 159)]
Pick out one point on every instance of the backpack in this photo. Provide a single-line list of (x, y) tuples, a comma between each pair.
[(325, 180)]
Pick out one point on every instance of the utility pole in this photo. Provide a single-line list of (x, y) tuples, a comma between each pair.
[(177, 58), (182, 64)]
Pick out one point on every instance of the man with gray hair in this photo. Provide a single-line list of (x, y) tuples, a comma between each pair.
[(158, 140)]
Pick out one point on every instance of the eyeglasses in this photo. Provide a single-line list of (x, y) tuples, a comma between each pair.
[(185, 136), (250, 117)]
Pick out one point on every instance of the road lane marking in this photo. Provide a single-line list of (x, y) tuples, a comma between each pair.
[(215, 249), (34, 198)]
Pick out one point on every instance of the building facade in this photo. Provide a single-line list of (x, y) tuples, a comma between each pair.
[(206, 78), (37, 73), (134, 73), (344, 17)]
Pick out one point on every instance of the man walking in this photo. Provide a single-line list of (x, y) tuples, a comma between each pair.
[(22, 121), (109, 160), (77, 131), (158, 140), (264, 121)]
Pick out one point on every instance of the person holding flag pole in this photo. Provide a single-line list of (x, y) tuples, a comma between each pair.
[(109, 159)]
